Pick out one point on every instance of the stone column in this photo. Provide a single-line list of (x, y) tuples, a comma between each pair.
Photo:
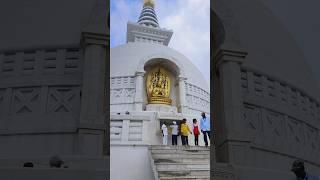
[(182, 94), (138, 99), (92, 123), (229, 131)]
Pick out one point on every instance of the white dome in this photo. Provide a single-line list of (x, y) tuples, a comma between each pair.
[(129, 58)]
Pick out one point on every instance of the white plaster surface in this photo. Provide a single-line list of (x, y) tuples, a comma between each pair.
[(130, 162), (126, 60)]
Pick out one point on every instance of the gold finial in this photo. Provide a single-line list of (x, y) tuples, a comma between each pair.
[(148, 3)]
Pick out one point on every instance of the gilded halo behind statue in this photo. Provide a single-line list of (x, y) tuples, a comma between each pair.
[(158, 86)]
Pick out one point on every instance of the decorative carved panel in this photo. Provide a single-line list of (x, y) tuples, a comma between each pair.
[(197, 98), (196, 91), (293, 97), (312, 138), (271, 88), (244, 82), (39, 61), (272, 92), (122, 89), (72, 60), (312, 107), (253, 120), (197, 103), (283, 93), (30, 90), (63, 99), (303, 103), (8, 63), (252, 117), (25, 100), (312, 145), (29, 62), (122, 95), (258, 84), (279, 117), (50, 60), (295, 132), (274, 129), (122, 82)]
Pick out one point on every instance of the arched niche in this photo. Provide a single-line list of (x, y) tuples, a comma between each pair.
[(173, 72), (164, 59)]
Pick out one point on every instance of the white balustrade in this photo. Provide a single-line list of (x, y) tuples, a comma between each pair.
[(129, 129), (280, 117)]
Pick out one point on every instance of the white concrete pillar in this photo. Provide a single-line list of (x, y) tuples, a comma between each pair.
[(138, 100), (229, 131), (92, 125), (182, 94)]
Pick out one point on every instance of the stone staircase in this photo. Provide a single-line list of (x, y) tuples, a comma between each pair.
[(185, 163)]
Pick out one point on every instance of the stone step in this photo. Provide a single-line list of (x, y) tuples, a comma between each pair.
[(185, 177), (181, 155), (180, 147), (181, 150), (181, 163), (174, 151), (178, 158), (182, 166), (177, 173)]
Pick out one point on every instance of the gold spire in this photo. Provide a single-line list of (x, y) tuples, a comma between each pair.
[(148, 3)]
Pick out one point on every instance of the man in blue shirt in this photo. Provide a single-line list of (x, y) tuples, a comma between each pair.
[(205, 127), (299, 171)]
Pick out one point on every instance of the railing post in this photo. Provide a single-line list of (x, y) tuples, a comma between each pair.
[(125, 131), (182, 93), (138, 100)]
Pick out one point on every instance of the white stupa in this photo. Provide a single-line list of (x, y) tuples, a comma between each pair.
[(138, 111)]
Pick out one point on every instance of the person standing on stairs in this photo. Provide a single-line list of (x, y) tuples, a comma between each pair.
[(174, 133), (185, 130), (164, 130), (196, 132), (205, 127)]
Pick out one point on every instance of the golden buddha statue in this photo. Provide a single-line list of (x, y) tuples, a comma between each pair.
[(158, 87)]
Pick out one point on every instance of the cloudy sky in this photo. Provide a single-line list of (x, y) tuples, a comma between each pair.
[(189, 20)]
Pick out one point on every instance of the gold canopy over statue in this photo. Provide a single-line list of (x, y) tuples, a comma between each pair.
[(158, 87), (148, 3)]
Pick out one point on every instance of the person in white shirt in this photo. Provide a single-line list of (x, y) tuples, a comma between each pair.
[(174, 128), (164, 134), (205, 127)]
